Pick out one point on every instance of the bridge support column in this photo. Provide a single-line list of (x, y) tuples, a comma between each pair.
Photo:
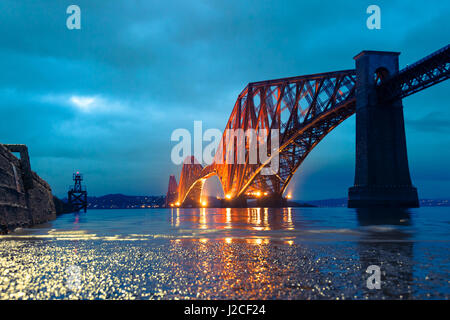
[(382, 176), (271, 201), (240, 202)]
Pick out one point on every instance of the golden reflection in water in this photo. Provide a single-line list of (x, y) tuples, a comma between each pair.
[(266, 216), (289, 223), (228, 217), (175, 217), (203, 224), (254, 219), (231, 224), (253, 270)]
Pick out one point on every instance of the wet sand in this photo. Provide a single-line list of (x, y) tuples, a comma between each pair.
[(221, 269)]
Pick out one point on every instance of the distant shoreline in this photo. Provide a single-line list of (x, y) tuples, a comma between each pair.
[(120, 201)]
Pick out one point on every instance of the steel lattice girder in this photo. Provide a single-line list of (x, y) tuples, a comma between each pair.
[(288, 105), (78, 199), (304, 109), (426, 72), (172, 192), (297, 148), (189, 179)]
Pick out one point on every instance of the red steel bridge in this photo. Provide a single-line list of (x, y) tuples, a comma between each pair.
[(305, 109)]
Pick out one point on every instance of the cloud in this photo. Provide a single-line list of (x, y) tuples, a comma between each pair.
[(434, 122)]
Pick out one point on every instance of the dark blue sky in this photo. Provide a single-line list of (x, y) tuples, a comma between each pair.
[(105, 99)]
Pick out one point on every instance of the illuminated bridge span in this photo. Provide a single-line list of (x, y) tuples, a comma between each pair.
[(305, 109)]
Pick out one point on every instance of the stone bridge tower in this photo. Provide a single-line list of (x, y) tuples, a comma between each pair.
[(381, 173)]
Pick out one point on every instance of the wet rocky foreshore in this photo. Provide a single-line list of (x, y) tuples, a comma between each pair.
[(215, 269)]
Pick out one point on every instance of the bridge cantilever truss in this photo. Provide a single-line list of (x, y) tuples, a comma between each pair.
[(426, 72), (304, 109)]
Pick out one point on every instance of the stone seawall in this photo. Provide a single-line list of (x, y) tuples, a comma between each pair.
[(25, 198)]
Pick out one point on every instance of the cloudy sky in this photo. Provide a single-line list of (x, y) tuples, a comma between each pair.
[(105, 99)]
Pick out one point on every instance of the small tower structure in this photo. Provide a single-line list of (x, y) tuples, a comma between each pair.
[(77, 193)]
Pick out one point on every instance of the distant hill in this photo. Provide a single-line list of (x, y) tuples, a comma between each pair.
[(435, 203), (339, 202), (121, 201)]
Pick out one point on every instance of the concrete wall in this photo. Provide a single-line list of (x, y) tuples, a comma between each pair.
[(25, 198)]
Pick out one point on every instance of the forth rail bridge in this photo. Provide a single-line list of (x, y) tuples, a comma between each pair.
[(305, 109)]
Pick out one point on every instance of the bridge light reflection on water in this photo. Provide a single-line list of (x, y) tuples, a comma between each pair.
[(234, 253), (230, 224)]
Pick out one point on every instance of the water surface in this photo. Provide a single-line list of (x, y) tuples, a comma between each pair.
[(257, 253)]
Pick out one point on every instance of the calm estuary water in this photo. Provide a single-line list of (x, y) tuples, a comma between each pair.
[(289, 253)]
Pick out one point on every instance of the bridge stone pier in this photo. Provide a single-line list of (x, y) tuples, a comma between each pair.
[(239, 202), (382, 177), (272, 201)]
